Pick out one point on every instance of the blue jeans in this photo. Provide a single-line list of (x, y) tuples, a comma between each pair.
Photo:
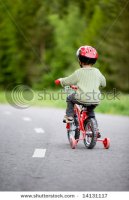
[(71, 100)]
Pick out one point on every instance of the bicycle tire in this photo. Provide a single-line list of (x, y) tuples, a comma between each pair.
[(91, 136), (76, 136), (72, 142), (68, 135), (77, 131)]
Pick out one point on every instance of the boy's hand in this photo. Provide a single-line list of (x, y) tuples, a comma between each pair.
[(57, 82)]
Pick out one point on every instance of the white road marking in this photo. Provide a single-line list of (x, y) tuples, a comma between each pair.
[(26, 118), (39, 130), (39, 153), (7, 112)]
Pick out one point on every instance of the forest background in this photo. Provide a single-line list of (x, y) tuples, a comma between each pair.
[(39, 39)]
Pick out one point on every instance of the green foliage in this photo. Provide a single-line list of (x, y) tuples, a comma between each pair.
[(54, 98), (66, 41), (116, 48), (39, 39)]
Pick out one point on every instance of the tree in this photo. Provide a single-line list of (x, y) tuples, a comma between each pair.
[(116, 47), (67, 32), (39, 39)]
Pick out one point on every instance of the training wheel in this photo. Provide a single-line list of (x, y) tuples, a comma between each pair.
[(106, 143)]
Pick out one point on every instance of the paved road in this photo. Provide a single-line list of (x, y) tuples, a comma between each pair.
[(23, 132)]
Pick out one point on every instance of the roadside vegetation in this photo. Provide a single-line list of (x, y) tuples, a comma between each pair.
[(116, 106), (39, 39)]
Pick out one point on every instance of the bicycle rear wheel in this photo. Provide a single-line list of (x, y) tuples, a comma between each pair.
[(91, 133)]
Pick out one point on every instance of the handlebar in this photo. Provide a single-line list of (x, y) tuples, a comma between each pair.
[(74, 87)]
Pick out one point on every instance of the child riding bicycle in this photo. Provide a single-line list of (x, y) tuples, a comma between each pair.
[(88, 79)]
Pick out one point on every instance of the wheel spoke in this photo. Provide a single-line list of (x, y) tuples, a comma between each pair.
[(91, 135)]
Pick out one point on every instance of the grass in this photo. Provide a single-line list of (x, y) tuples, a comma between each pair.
[(119, 106)]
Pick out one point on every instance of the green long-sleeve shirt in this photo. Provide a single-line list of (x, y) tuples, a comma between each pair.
[(88, 81)]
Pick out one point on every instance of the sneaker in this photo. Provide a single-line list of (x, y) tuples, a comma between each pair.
[(67, 119), (64, 119)]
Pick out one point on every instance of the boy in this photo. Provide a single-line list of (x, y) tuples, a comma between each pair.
[(88, 79)]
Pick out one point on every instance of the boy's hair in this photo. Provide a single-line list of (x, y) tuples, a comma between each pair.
[(87, 61)]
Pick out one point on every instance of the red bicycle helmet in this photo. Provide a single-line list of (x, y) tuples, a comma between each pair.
[(87, 54)]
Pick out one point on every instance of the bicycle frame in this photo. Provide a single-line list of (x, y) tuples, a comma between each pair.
[(82, 116)]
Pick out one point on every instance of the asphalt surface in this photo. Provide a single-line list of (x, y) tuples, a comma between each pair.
[(61, 168)]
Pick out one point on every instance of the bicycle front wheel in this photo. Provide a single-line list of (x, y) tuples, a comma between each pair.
[(91, 133)]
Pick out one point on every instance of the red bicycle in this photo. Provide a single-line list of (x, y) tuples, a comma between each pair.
[(83, 128)]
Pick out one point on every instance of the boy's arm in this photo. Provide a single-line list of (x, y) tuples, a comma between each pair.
[(70, 80), (102, 81)]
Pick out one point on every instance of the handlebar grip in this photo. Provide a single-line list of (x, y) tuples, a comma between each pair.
[(57, 82)]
